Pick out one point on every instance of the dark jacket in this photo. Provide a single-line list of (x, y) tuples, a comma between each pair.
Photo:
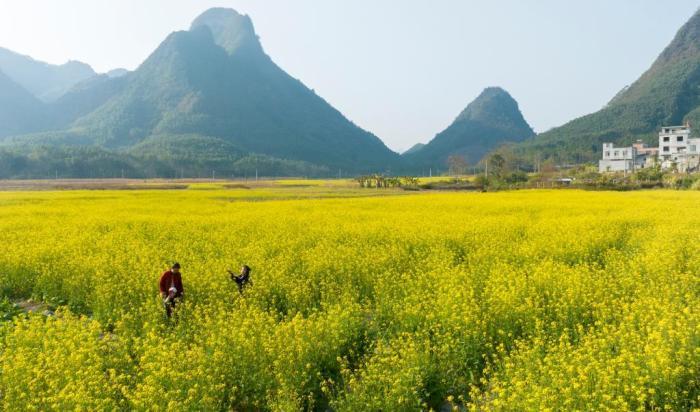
[(168, 279), (242, 279)]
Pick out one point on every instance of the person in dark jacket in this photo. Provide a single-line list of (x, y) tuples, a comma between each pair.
[(171, 289), (242, 279)]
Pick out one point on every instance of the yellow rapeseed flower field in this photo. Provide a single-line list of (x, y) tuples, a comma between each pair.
[(363, 300)]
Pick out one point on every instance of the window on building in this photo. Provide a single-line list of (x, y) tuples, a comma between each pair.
[(679, 138), (667, 149), (693, 148), (667, 139), (607, 154), (624, 153), (616, 153)]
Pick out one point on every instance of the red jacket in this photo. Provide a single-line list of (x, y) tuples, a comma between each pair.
[(168, 279)]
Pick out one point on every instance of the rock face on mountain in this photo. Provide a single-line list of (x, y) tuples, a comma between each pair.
[(47, 82), (488, 122), (666, 94)]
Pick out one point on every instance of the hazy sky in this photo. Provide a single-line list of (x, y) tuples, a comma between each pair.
[(402, 69)]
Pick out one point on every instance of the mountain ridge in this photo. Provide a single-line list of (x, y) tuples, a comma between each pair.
[(47, 82), (19, 109), (668, 93), (215, 81), (490, 120)]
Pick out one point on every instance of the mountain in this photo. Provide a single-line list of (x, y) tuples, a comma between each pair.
[(491, 120), (215, 81), (82, 99), (117, 73), (47, 82), (413, 149), (21, 113), (668, 93), (19, 110)]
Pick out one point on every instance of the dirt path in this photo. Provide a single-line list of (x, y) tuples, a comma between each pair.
[(30, 306)]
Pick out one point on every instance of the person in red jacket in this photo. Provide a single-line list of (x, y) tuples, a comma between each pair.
[(171, 289)]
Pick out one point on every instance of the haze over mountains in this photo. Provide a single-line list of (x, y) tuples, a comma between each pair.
[(210, 99), (18, 107), (45, 81)]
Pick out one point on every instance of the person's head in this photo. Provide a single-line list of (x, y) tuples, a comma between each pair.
[(175, 268), (245, 269)]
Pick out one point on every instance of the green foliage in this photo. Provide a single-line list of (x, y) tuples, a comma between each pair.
[(149, 161), (8, 310), (650, 174), (516, 177), (684, 181)]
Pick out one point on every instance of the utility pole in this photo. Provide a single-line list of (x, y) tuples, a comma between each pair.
[(487, 168)]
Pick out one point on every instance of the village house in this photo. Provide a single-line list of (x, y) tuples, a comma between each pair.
[(626, 159), (676, 151)]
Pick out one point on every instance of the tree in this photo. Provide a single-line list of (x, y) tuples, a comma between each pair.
[(457, 165), (548, 167), (497, 165)]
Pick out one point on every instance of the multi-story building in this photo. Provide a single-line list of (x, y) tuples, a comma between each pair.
[(627, 159), (617, 159), (676, 151)]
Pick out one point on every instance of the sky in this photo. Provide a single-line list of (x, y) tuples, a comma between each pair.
[(402, 69)]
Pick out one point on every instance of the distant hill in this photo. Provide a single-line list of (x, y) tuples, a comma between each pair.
[(491, 120), (117, 73), (47, 82), (666, 94), (83, 98), (211, 89), (20, 111), (413, 149)]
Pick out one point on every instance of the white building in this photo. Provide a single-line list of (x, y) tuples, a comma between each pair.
[(627, 159), (677, 150), (617, 159)]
